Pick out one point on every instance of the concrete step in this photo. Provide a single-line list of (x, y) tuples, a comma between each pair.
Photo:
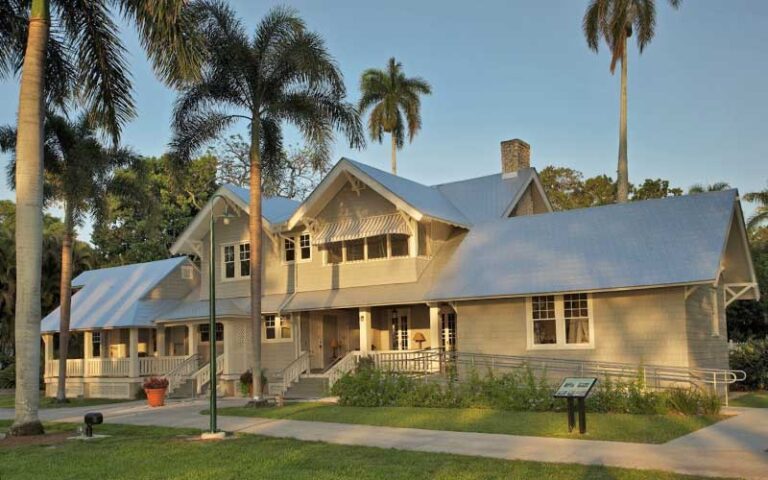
[(185, 390), (307, 388)]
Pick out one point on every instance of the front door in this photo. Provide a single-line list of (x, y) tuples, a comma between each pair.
[(399, 329), (315, 343), (331, 344), (448, 331)]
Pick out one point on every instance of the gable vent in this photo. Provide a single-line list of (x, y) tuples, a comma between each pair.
[(187, 273)]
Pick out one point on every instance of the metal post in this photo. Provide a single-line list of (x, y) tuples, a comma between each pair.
[(212, 319), (571, 416), (582, 417)]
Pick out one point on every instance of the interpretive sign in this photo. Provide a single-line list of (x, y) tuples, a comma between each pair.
[(575, 387)]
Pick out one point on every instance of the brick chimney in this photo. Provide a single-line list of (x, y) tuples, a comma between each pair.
[(515, 155)]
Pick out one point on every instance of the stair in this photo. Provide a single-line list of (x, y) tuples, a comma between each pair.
[(185, 390), (308, 388)]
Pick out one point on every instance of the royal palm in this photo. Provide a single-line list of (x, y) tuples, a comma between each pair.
[(615, 21), (283, 74), (395, 104), (81, 57)]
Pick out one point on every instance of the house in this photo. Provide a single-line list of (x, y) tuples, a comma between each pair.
[(375, 264)]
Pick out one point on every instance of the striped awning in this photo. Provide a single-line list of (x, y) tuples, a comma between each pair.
[(351, 229)]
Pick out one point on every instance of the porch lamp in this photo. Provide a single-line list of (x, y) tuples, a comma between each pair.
[(212, 304)]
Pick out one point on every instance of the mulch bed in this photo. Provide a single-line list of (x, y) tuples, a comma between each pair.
[(31, 440)]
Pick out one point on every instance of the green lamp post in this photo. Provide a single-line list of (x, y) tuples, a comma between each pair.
[(212, 307)]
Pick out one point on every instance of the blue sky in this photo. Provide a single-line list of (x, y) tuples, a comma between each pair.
[(503, 69)]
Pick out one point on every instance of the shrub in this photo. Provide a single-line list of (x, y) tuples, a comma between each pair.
[(8, 376), (752, 357), (692, 401), (155, 382)]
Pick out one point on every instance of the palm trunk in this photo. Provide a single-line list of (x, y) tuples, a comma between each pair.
[(622, 174), (394, 154), (65, 289), (29, 223), (254, 230)]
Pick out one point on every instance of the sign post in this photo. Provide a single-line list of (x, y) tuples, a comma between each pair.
[(576, 388)]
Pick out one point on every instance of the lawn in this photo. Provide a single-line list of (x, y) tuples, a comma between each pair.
[(6, 401), (751, 399), (151, 452), (600, 426)]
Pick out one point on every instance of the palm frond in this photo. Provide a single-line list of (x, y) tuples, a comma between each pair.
[(195, 130)]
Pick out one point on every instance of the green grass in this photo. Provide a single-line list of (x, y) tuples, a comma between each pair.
[(6, 401), (751, 399), (600, 426), (134, 453)]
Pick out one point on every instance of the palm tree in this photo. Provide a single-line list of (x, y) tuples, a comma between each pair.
[(761, 213), (391, 95), (282, 74), (77, 174), (615, 21), (697, 188), (81, 55)]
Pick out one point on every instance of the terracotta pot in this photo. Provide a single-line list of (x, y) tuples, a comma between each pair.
[(155, 396)]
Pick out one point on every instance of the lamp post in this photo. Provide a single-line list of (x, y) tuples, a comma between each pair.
[(212, 308)]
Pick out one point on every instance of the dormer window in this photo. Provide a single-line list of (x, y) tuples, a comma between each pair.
[(371, 248)]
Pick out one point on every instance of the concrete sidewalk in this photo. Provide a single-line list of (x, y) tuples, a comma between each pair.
[(732, 448)]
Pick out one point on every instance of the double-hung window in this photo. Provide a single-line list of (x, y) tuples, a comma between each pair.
[(96, 344), (305, 247), (369, 248), (236, 260), (277, 329), (560, 321), (205, 332), (297, 248)]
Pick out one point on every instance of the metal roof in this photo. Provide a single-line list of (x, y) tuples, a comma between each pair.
[(192, 308), (114, 297), (375, 295), (274, 209), (486, 198), (427, 200), (650, 243)]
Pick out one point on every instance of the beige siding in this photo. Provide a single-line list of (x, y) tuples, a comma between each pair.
[(641, 326), (350, 204), (173, 286), (707, 335)]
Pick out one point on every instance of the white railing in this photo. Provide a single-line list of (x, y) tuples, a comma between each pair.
[(107, 367), (342, 367), (291, 373), (413, 361), (159, 365), (203, 376), (180, 372), (74, 368)]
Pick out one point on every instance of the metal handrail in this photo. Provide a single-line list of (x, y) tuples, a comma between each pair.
[(178, 374), (203, 375)]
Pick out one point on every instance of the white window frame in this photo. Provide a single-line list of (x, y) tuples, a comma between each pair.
[(278, 330), (223, 266), (296, 239), (560, 337)]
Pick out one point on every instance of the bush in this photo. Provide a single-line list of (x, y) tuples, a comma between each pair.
[(8, 376), (517, 391), (155, 382), (752, 357)]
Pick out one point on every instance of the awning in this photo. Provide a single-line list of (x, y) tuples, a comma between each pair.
[(352, 229)]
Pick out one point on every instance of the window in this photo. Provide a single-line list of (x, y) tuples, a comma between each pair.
[(187, 272), (306, 246), (355, 250), (398, 245), (205, 332), (96, 344), (236, 260), (544, 323), (448, 331), (245, 259), (229, 261), (334, 252), (377, 247), (277, 328), (560, 321), (576, 313), (289, 247)]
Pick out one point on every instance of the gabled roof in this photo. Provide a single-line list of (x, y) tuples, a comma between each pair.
[(417, 200), (114, 297), (671, 241), (490, 197), (274, 211), (193, 308)]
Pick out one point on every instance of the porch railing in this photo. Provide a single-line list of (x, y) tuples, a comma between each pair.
[(290, 374), (107, 367), (342, 367), (159, 365), (113, 367), (74, 367), (203, 376), (181, 371)]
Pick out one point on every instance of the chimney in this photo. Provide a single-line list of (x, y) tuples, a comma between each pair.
[(515, 155)]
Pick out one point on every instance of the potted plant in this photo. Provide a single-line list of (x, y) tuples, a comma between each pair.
[(246, 383), (155, 388)]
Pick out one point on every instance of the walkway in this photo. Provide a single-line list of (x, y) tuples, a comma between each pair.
[(732, 448)]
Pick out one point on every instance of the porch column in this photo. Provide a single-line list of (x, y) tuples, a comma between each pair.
[(192, 338), (151, 343), (48, 341), (133, 348), (434, 326), (160, 341), (366, 329), (87, 352)]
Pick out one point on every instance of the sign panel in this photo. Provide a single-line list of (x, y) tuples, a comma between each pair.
[(575, 387)]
